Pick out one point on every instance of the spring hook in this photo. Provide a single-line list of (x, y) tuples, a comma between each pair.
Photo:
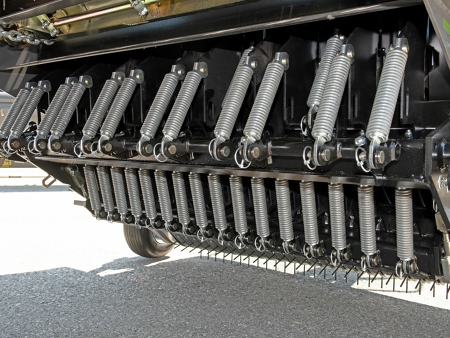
[(330, 102), (285, 215), (119, 193), (27, 110), (92, 188), (164, 198), (312, 246), (218, 206), (261, 216), (179, 187), (341, 252), (232, 103), (145, 178), (332, 47), (106, 191), (263, 103), (99, 110), (117, 109), (240, 218), (386, 99), (134, 195), (158, 108), (65, 115)]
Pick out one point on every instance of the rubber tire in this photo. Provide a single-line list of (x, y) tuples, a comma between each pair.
[(143, 242)]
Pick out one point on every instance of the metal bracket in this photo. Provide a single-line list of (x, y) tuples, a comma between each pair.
[(47, 184)]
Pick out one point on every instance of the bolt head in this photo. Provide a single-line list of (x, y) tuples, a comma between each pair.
[(325, 155), (380, 157), (172, 149), (362, 156), (42, 144), (148, 149), (225, 151), (255, 152), (57, 145), (107, 147)]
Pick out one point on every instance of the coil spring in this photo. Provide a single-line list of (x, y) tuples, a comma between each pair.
[(332, 47), (367, 220), (145, 179), (67, 110), (264, 99), (92, 187), (241, 62), (133, 193), (53, 110), (159, 105), (215, 190), (332, 95), (233, 102), (404, 224), (27, 110), (337, 216), (100, 108), (118, 107), (260, 207), (284, 210), (238, 201), (14, 110), (182, 103), (119, 192), (106, 190), (387, 92), (179, 188), (308, 199), (198, 200), (163, 196)]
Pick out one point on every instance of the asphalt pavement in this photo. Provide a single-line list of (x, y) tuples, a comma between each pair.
[(64, 274)]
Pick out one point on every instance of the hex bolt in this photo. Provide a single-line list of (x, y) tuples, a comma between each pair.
[(380, 157)]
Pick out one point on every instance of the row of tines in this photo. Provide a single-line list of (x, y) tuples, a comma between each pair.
[(127, 194)]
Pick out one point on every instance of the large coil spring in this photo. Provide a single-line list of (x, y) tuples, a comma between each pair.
[(367, 220), (198, 200), (145, 178), (308, 199), (284, 210), (241, 62), (233, 101), (404, 224), (67, 110), (332, 95), (387, 91), (92, 188), (102, 104), (14, 110), (337, 216), (183, 101), (133, 194), (161, 101), (163, 196), (120, 103), (119, 192), (238, 201), (106, 191), (53, 110), (215, 190), (179, 187), (265, 96), (332, 47), (260, 207)]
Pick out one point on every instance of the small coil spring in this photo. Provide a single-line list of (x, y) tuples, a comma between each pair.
[(53, 110), (215, 190), (118, 107), (367, 220), (404, 224), (284, 210), (245, 53), (160, 104), (182, 103), (27, 110), (14, 110), (198, 200), (119, 192), (233, 101), (387, 91), (163, 196), (332, 47), (308, 199), (332, 95), (337, 216), (67, 110), (260, 207), (100, 108), (265, 96), (238, 201), (179, 188), (106, 190), (92, 187), (145, 179), (133, 193)]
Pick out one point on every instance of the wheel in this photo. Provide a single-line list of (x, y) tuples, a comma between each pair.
[(148, 243)]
